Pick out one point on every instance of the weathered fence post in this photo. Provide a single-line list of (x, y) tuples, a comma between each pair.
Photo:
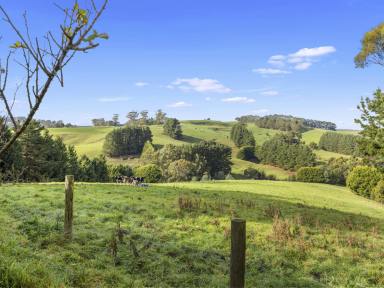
[(68, 217), (238, 236)]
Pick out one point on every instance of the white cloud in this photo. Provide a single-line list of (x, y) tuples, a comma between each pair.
[(277, 60), (238, 100), (208, 98), (313, 52), (270, 71), (179, 104), (302, 59), (199, 85), (303, 66), (270, 93), (260, 112), (141, 84), (115, 99)]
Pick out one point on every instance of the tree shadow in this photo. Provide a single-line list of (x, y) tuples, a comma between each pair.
[(254, 207)]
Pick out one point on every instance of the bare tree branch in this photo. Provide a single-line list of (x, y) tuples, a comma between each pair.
[(77, 34)]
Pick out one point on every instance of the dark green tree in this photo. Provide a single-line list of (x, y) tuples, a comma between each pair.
[(241, 136), (172, 128), (125, 141)]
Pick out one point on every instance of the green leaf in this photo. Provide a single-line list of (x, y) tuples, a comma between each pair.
[(18, 45)]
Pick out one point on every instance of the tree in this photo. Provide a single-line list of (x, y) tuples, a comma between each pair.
[(144, 117), (160, 117), (44, 61), (115, 119), (132, 117), (372, 48), (286, 151), (241, 136), (372, 123), (126, 141), (172, 128)]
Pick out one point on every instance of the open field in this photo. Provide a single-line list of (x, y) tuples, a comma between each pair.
[(177, 235), (89, 141)]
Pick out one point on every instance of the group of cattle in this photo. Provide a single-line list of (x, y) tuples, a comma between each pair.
[(135, 181)]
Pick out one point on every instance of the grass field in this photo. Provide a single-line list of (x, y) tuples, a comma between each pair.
[(177, 235), (89, 141)]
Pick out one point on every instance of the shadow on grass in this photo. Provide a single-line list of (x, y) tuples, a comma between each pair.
[(254, 207)]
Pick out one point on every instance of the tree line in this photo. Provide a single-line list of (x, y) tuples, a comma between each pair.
[(286, 122), (340, 143)]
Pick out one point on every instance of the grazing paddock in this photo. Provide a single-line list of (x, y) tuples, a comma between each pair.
[(178, 235)]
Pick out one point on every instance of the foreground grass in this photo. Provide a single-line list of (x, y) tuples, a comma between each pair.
[(177, 235)]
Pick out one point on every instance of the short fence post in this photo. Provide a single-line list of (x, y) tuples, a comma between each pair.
[(68, 217), (238, 237)]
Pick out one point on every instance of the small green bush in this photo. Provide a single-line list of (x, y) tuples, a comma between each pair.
[(180, 170), (313, 146), (151, 173), (252, 173), (378, 192), (363, 179), (246, 153), (119, 170), (311, 175)]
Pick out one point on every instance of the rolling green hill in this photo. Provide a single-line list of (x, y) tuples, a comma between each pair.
[(177, 235), (89, 141)]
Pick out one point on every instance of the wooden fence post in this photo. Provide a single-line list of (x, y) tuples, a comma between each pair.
[(238, 237), (68, 217)]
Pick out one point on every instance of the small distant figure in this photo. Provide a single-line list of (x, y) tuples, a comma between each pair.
[(134, 181)]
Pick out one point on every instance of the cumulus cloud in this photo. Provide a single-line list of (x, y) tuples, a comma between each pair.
[(199, 85), (179, 104), (270, 71), (301, 60), (313, 52), (141, 84), (303, 66), (238, 100), (114, 99), (270, 93)]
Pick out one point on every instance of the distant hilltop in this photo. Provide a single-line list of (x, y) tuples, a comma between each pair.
[(286, 122)]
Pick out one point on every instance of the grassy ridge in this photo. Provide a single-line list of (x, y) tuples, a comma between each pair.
[(177, 235)]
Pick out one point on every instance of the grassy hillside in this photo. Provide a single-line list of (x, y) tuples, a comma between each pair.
[(177, 235), (89, 141)]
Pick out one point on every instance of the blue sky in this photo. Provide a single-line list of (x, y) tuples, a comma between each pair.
[(214, 58)]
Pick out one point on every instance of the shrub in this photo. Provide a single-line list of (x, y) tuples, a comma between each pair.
[(252, 173), (313, 146), (119, 170), (148, 155), (126, 141), (363, 179), (180, 170), (311, 174), (151, 173), (378, 192), (172, 128), (246, 153)]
